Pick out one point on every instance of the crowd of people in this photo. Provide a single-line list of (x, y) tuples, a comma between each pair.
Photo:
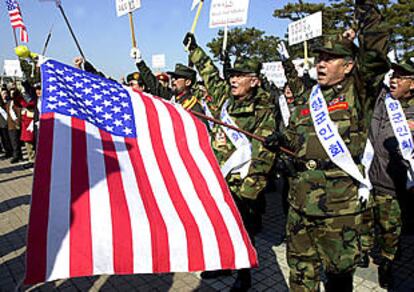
[(341, 145)]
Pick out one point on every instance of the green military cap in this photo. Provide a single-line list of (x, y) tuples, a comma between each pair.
[(183, 71), (405, 67), (245, 65), (337, 46)]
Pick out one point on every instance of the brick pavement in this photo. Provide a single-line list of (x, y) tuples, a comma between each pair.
[(15, 185)]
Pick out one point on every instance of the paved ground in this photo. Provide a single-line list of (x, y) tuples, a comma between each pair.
[(15, 186)]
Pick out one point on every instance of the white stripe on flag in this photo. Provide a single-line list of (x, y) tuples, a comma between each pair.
[(59, 204), (208, 236), (140, 226), (101, 222), (177, 239), (241, 252)]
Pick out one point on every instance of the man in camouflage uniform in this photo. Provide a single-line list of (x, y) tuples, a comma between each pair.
[(182, 79), (389, 169), (238, 100), (325, 210)]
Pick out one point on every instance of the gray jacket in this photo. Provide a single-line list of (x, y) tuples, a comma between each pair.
[(388, 172)]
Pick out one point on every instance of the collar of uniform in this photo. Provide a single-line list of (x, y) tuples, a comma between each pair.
[(407, 102), (242, 106), (333, 91), (183, 96)]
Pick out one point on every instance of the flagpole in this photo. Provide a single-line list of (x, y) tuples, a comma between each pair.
[(49, 35), (131, 24), (70, 29), (251, 135), (15, 37), (193, 27)]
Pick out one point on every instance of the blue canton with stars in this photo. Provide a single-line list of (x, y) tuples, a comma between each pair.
[(79, 94), (11, 5)]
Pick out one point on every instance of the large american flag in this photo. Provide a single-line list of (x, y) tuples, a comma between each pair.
[(16, 19), (125, 183)]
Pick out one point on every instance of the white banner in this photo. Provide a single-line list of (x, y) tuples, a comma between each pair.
[(305, 29), (125, 6), (274, 70), (12, 68), (228, 12), (158, 61)]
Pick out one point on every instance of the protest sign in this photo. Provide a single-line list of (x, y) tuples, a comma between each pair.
[(126, 6), (12, 68), (305, 29), (228, 12), (158, 61)]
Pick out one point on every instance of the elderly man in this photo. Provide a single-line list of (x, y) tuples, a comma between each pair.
[(244, 162), (328, 131), (391, 172), (182, 79)]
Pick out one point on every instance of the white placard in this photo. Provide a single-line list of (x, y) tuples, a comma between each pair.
[(305, 29), (12, 68), (158, 61), (274, 72), (125, 6), (230, 12)]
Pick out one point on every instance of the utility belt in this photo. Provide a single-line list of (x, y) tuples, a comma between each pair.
[(317, 164)]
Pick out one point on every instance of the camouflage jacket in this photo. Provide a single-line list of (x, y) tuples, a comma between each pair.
[(331, 191), (189, 101), (253, 114)]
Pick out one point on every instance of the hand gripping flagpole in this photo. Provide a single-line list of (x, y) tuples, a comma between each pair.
[(251, 135), (59, 5)]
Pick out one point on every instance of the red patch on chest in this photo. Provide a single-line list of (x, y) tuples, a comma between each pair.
[(338, 106)]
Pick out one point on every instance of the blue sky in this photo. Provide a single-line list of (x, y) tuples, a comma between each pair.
[(105, 38)]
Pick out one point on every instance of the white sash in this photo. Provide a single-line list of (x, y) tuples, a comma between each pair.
[(11, 111), (3, 113), (284, 109), (328, 135), (366, 161), (241, 159), (402, 132), (207, 113)]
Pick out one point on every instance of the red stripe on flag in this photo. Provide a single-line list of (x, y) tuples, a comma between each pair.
[(121, 222), (205, 146), (81, 262), (39, 209), (226, 249), (159, 234), (194, 243)]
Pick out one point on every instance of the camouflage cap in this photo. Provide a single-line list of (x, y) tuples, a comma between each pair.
[(245, 65), (183, 71), (337, 46), (405, 67)]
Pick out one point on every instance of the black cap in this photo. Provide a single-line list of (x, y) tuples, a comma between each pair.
[(183, 71)]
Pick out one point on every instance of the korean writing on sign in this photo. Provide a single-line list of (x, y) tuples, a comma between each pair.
[(305, 29), (228, 12), (125, 6)]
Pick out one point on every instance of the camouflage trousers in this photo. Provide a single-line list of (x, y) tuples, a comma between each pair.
[(367, 230), (313, 244), (387, 214)]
